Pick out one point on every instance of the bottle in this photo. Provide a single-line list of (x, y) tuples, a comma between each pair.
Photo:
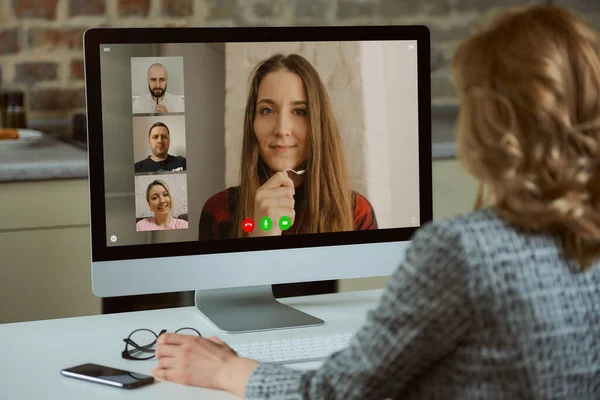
[(14, 116), (2, 111), (80, 128)]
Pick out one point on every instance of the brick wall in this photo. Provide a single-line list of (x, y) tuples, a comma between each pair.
[(41, 40)]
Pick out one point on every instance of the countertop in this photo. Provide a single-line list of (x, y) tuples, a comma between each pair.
[(50, 158)]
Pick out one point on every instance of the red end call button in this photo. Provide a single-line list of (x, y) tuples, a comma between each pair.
[(248, 225)]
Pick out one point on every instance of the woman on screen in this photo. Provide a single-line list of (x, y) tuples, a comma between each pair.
[(293, 167), (499, 303), (159, 199)]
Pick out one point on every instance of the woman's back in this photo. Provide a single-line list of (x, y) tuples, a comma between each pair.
[(477, 310), (534, 329)]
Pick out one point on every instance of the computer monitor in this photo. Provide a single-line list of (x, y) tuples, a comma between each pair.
[(190, 131)]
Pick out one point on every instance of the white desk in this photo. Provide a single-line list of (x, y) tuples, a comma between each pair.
[(33, 353)]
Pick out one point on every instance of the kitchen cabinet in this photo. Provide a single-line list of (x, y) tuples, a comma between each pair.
[(45, 263)]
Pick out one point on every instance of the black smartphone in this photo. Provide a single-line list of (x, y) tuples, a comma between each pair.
[(108, 376)]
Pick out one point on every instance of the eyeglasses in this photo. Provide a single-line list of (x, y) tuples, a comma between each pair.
[(141, 342)]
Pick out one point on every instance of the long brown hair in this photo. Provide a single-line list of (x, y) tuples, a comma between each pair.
[(328, 201), (529, 126)]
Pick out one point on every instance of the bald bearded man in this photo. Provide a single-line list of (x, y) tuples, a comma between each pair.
[(158, 100)]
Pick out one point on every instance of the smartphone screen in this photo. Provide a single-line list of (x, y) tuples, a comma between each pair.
[(107, 375)]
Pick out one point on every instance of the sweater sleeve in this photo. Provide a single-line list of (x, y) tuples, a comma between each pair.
[(422, 314), (364, 214)]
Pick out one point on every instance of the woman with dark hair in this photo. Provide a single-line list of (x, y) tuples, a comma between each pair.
[(293, 162), (500, 303)]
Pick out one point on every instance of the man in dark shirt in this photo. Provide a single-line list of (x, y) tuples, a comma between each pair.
[(159, 139)]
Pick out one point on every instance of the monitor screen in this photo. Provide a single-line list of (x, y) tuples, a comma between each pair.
[(216, 141)]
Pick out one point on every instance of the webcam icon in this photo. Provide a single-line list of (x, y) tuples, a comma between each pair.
[(285, 223)]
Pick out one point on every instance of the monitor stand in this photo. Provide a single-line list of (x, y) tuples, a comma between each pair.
[(250, 309)]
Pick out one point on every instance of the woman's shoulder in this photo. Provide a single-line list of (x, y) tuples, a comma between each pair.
[(145, 224), (179, 223), (364, 214), (222, 199), (482, 233), (464, 242), (360, 201), (479, 221), (146, 220), (361, 204)]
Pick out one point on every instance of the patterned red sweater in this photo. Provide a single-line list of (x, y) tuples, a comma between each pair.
[(215, 220)]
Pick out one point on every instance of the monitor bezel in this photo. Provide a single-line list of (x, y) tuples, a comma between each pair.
[(94, 38)]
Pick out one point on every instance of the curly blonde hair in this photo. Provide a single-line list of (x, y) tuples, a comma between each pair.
[(529, 124)]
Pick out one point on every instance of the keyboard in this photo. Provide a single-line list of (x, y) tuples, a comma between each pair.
[(294, 350)]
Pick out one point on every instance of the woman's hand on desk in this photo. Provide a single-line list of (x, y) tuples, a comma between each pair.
[(197, 361)]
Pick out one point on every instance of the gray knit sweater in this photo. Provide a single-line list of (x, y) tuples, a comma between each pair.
[(478, 310)]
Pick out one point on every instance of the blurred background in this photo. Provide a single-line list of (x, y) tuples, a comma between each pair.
[(44, 221)]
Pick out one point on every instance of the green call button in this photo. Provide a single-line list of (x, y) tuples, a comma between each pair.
[(266, 223), (285, 223)]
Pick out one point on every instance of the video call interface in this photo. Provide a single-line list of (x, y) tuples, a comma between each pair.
[(210, 141)]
